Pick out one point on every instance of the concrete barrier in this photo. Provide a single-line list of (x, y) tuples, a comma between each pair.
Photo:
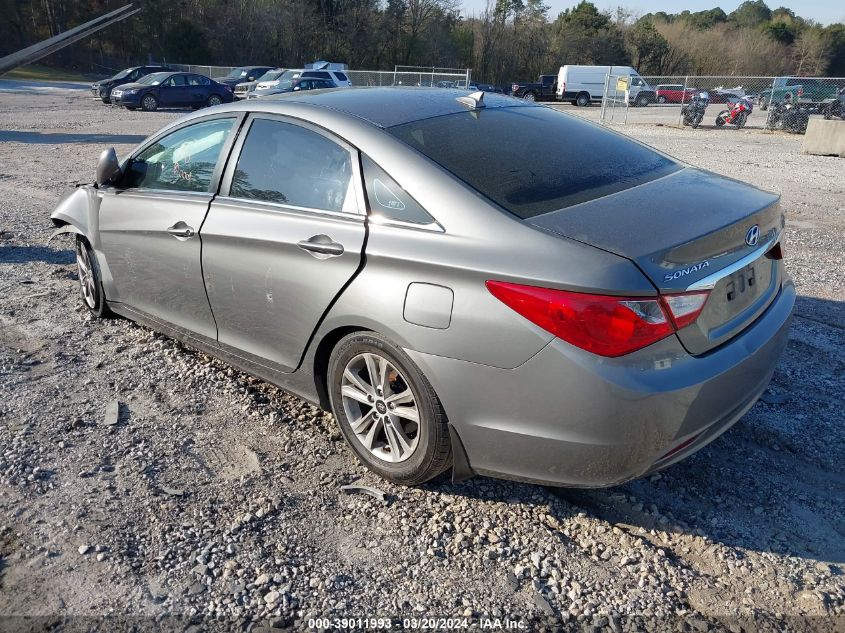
[(825, 138)]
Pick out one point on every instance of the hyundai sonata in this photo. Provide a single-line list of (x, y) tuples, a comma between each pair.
[(462, 279)]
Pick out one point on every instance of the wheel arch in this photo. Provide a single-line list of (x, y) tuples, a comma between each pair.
[(322, 354)]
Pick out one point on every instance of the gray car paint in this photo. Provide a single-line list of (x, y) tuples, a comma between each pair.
[(489, 358)]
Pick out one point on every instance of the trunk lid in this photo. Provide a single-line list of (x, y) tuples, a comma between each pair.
[(690, 230)]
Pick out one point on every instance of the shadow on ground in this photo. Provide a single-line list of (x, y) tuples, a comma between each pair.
[(775, 482), (59, 138), (24, 254)]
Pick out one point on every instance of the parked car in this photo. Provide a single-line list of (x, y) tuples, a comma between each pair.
[(102, 89), (583, 85), (337, 76), (172, 90), (674, 93), (267, 80), (274, 86), (242, 74), (720, 95), (543, 90), (485, 88), (302, 83), (452, 304), (807, 91)]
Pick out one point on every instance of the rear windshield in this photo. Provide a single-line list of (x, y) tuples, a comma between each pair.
[(533, 160)]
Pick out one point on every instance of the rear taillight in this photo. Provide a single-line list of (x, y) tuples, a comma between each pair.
[(601, 324)]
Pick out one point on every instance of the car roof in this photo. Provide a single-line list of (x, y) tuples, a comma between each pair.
[(396, 105)]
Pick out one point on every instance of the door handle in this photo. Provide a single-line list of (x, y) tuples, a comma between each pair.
[(321, 246), (181, 231)]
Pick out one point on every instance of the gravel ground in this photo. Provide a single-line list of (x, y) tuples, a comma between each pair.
[(213, 501)]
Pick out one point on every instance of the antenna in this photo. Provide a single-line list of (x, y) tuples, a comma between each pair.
[(474, 101)]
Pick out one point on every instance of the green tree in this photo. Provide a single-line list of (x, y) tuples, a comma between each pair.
[(648, 48), (751, 13)]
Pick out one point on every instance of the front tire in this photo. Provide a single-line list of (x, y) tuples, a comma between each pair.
[(642, 101), (741, 120), (387, 410), (90, 280), (720, 118), (149, 103), (696, 120)]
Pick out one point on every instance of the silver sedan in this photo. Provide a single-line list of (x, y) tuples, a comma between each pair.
[(464, 280)]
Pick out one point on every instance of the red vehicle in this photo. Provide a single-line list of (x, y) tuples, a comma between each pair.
[(737, 115), (674, 93)]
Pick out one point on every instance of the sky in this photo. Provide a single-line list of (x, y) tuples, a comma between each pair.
[(824, 11)]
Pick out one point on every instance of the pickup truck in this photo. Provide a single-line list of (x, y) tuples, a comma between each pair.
[(804, 90), (543, 90)]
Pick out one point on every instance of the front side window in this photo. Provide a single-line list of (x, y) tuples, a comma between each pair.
[(183, 160), (287, 164), (386, 199)]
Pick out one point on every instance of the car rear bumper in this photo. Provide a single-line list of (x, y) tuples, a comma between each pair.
[(570, 418)]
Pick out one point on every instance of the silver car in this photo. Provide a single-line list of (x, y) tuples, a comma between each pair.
[(464, 280)]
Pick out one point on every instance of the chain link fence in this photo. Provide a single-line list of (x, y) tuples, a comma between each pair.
[(769, 102), (401, 76)]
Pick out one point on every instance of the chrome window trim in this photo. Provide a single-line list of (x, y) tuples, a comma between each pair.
[(284, 208), (709, 282)]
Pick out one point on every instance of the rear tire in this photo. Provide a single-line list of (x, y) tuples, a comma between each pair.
[(408, 447), (214, 100), (149, 103), (661, 99), (582, 100), (90, 280), (529, 96)]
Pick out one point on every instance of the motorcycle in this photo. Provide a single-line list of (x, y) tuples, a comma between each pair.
[(740, 110), (789, 117), (835, 108), (693, 111)]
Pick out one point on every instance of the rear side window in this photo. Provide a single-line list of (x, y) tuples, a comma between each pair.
[(287, 164), (386, 199), (198, 80), (318, 74), (341, 76), (533, 160)]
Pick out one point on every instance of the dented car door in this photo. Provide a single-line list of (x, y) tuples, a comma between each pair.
[(150, 222)]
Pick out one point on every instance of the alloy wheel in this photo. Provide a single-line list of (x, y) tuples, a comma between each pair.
[(381, 407), (87, 281), (214, 100), (149, 102)]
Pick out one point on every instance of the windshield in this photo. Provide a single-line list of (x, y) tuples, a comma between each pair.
[(154, 79), (237, 73), (270, 75), (123, 73), (286, 80), (522, 180)]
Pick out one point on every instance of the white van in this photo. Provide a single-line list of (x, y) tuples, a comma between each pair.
[(583, 85)]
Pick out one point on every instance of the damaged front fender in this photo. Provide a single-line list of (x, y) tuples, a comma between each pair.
[(78, 212)]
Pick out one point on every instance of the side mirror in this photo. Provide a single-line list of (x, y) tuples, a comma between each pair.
[(108, 167)]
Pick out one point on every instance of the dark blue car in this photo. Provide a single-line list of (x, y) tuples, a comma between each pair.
[(171, 90)]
